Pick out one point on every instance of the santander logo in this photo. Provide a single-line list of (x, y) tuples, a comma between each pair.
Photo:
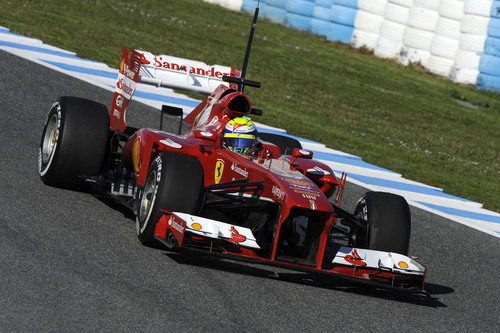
[(128, 89), (158, 62)]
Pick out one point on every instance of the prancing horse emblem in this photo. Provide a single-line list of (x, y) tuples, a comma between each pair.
[(219, 169)]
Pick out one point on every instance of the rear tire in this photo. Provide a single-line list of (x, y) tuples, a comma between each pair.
[(389, 222), (174, 183), (73, 142), (284, 143)]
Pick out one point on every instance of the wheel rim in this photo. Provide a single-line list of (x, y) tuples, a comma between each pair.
[(147, 200), (49, 139)]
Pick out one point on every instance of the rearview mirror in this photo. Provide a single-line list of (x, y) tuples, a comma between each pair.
[(302, 153)]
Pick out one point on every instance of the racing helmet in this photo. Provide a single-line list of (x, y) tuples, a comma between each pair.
[(239, 135)]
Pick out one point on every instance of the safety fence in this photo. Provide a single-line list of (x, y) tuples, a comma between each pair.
[(459, 39)]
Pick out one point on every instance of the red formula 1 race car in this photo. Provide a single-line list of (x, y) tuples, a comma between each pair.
[(221, 187)]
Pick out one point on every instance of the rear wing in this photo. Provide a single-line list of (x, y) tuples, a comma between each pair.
[(162, 71)]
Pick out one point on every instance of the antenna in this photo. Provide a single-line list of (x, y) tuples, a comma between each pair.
[(249, 46), (241, 81)]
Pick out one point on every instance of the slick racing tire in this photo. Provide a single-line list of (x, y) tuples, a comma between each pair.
[(73, 143), (389, 222), (174, 183), (284, 143)]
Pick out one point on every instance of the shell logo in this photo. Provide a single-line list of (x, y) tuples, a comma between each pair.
[(196, 226), (402, 264), (136, 160)]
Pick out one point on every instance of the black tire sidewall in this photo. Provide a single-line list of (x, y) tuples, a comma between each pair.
[(389, 222), (81, 142), (178, 189)]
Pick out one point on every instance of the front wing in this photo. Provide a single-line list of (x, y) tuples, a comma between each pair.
[(383, 269)]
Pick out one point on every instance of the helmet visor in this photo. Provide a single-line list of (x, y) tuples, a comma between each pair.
[(240, 143)]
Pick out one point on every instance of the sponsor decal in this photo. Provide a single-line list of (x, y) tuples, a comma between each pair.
[(354, 258), (313, 204), (172, 222), (239, 170), (219, 170), (279, 193), (196, 226), (307, 196), (158, 62), (117, 113), (307, 193), (136, 161), (171, 143), (236, 236), (403, 264), (119, 101), (297, 182), (125, 86)]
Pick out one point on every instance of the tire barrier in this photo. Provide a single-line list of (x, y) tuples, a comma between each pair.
[(235, 5), (495, 9), (474, 24), (494, 28), (301, 7), (439, 65), (444, 47), (427, 4), (467, 59), (347, 3), (299, 14), (478, 7), (275, 14), (396, 13), (249, 6), (489, 65), (452, 9), (320, 22), (342, 17), (492, 46), (423, 19), (390, 43), (275, 3), (488, 82), (464, 75), (445, 43), (376, 7), (368, 22), (448, 28), (459, 39)]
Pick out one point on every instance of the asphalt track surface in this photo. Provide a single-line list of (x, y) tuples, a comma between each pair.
[(72, 262)]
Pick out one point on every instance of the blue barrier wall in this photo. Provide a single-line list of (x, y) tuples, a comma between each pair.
[(489, 65)]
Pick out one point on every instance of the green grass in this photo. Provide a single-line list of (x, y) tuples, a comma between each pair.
[(396, 117)]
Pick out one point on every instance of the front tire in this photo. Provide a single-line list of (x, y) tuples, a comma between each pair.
[(389, 222), (174, 183), (73, 142)]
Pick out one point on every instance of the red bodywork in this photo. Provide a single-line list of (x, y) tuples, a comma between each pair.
[(284, 177)]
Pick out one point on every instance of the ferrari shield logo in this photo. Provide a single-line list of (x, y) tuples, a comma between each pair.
[(219, 169)]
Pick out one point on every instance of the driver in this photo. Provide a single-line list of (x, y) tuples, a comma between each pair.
[(240, 136)]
